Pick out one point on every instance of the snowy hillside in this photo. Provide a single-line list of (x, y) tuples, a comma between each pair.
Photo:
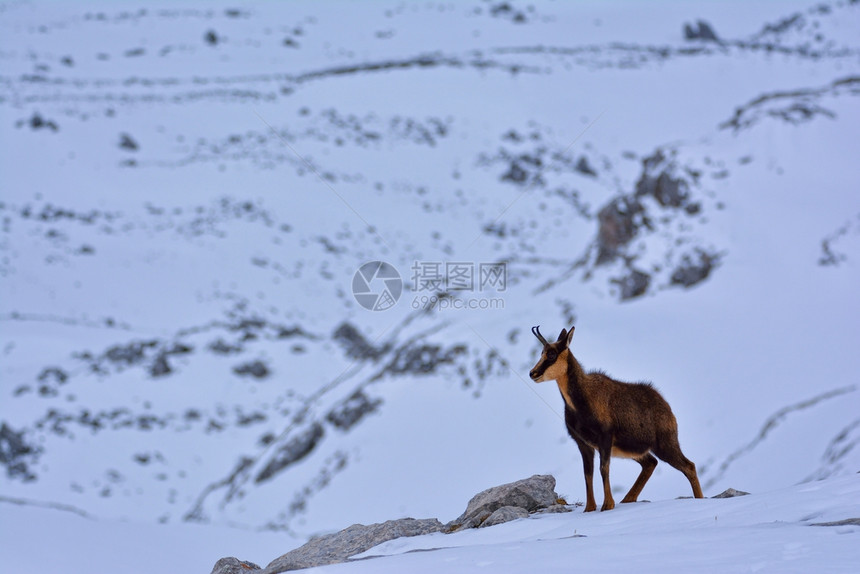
[(798, 529), (189, 193), (806, 528)]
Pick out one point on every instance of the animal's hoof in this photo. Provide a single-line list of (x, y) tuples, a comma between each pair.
[(607, 506)]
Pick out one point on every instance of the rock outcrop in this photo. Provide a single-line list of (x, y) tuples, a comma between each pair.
[(530, 494), (505, 514), (730, 493), (338, 547), (234, 566), (488, 508)]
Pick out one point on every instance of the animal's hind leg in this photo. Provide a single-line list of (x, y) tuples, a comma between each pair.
[(689, 470), (649, 463), (670, 451)]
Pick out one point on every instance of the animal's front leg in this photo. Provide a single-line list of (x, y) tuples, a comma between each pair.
[(588, 469), (605, 456)]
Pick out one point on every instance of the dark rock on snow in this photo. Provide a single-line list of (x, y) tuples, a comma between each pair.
[(294, 450), (13, 450), (347, 413), (700, 31), (256, 369), (730, 493), (355, 344), (694, 269), (633, 285), (37, 122), (160, 367), (127, 143), (619, 222), (583, 167)]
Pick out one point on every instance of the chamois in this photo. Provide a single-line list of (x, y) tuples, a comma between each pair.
[(628, 420)]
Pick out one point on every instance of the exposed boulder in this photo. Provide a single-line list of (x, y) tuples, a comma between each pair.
[(694, 269), (212, 38), (493, 506), (256, 369), (422, 359), (347, 413), (338, 547), (234, 566), (619, 222), (160, 367), (130, 354), (530, 494), (37, 122), (14, 451), (128, 143), (701, 30), (730, 493), (294, 450), (660, 180), (633, 285), (584, 167), (356, 345), (505, 514)]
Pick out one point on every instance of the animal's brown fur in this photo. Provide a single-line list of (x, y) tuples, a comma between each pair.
[(629, 420)]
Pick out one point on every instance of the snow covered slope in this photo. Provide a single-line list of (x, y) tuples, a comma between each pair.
[(188, 191), (806, 528)]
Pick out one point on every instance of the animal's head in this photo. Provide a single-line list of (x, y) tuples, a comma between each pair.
[(553, 359)]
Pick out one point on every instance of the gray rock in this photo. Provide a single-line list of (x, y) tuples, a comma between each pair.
[(127, 143), (234, 566), (356, 345), (618, 223), (297, 448), (505, 514), (730, 493), (700, 31), (14, 452), (660, 180), (256, 369), (349, 412), (531, 494), (583, 167), (338, 547), (493, 506), (634, 284), (694, 268), (160, 367)]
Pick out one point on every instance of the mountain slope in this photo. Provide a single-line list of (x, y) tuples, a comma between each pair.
[(188, 193)]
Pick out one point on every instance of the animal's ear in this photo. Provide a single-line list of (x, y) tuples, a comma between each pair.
[(562, 336), (570, 335)]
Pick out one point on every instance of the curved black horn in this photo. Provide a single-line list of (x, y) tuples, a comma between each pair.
[(536, 333)]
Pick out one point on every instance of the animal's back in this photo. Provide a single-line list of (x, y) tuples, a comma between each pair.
[(638, 411)]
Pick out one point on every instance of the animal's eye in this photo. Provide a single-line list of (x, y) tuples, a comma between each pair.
[(551, 355)]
